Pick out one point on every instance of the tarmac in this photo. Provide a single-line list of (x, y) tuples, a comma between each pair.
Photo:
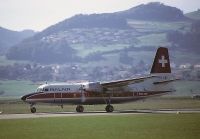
[(97, 113)]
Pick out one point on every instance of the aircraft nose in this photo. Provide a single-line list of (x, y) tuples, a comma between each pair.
[(24, 98)]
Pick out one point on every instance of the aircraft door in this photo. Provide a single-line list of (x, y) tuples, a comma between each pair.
[(58, 98)]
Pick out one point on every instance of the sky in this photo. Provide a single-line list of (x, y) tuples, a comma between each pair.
[(39, 14)]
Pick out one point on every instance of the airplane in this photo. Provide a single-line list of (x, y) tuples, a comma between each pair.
[(158, 82)]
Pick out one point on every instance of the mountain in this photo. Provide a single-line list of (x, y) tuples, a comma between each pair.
[(154, 11), (103, 29), (187, 40), (194, 15), (10, 38), (107, 20)]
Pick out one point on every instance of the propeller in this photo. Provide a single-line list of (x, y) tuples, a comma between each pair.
[(82, 89)]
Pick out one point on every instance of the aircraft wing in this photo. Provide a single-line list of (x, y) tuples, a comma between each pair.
[(125, 82), (166, 81)]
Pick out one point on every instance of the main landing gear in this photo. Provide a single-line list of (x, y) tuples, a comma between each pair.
[(79, 108), (109, 108)]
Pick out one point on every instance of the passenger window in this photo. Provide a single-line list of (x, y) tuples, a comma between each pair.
[(46, 89)]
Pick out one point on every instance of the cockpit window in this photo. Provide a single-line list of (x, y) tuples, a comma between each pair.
[(39, 90)]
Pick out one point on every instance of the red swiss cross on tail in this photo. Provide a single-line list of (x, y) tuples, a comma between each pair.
[(161, 62)]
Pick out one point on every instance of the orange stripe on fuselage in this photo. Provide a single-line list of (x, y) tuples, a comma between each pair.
[(93, 94)]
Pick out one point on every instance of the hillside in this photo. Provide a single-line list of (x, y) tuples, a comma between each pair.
[(154, 11), (85, 37), (10, 38), (194, 15), (87, 21)]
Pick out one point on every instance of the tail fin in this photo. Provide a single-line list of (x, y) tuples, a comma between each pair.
[(161, 62)]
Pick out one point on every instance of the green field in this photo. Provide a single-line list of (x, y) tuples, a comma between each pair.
[(187, 88), (142, 126), (153, 40), (84, 50), (14, 88), (154, 26), (194, 15), (5, 62)]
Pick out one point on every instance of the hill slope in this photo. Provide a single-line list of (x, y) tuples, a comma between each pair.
[(10, 38), (91, 30), (194, 15), (154, 11)]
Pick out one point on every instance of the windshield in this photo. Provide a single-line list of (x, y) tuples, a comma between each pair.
[(39, 90)]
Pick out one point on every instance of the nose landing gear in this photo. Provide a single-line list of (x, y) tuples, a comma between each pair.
[(33, 109), (79, 108)]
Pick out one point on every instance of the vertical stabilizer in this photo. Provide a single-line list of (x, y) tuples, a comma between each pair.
[(161, 62)]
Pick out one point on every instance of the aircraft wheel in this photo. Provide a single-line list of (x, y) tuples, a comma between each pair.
[(33, 109), (109, 108), (79, 108)]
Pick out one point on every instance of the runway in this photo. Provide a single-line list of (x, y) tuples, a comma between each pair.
[(97, 113)]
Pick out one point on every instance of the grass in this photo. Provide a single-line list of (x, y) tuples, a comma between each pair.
[(151, 126), (153, 40), (111, 60), (194, 15), (149, 26), (84, 50), (14, 88), (142, 55), (5, 62), (187, 88)]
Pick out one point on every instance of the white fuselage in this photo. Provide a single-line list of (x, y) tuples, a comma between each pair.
[(94, 93)]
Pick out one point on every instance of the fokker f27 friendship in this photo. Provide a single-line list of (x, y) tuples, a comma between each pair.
[(158, 82)]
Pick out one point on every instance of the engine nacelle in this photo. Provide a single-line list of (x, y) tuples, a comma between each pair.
[(94, 87)]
